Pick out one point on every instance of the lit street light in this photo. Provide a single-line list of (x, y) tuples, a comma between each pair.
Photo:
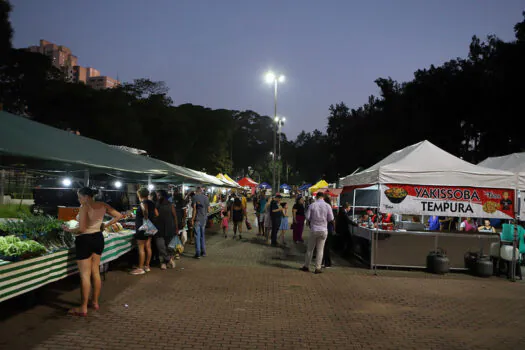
[(279, 121), (272, 78)]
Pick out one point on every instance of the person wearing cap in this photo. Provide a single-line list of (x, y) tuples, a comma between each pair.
[(276, 214), (319, 214)]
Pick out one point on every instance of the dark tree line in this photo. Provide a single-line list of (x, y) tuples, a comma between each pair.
[(471, 107)]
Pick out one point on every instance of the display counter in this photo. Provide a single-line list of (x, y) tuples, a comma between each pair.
[(23, 276), (409, 249), (20, 277)]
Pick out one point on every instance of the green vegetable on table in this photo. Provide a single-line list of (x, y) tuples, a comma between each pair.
[(11, 247), (42, 229)]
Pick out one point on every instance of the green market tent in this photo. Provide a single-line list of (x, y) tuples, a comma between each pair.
[(42, 147)]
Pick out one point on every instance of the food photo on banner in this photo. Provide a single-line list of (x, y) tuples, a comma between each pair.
[(448, 201)]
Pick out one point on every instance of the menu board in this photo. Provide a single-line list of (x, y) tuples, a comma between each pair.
[(448, 201)]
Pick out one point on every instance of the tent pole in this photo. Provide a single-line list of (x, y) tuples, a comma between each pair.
[(86, 178), (353, 206), (2, 183), (515, 242)]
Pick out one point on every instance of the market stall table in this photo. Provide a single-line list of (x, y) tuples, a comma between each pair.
[(23, 276), (409, 249)]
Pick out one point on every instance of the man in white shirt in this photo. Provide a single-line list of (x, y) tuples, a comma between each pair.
[(319, 214)]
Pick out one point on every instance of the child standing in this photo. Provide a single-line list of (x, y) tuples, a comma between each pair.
[(284, 222), (224, 223)]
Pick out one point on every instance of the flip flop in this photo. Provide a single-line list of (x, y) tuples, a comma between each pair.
[(73, 312), (95, 307)]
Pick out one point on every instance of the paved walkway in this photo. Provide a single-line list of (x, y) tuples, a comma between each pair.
[(246, 295)]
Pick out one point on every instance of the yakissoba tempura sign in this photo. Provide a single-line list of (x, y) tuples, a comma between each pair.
[(448, 201)]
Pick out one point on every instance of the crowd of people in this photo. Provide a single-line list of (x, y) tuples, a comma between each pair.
[(170, 213)]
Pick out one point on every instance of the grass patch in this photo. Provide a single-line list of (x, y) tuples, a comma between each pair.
[(13, 210)]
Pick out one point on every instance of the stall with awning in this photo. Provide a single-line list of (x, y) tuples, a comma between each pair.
[(423, 179), (514, 163), (264, 186), (247, 182)]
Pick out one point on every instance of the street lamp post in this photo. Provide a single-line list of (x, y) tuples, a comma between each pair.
[(279, 122), (274, 79)]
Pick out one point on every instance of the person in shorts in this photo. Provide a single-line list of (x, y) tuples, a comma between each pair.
[(89, 245)]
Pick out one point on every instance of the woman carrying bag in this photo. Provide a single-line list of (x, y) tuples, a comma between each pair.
[(167, 225), (145, 212)]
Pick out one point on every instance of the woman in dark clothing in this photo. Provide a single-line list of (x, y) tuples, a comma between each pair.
[(167, 224), (298, 220), (237, 216), (327, 260), (146, 210)]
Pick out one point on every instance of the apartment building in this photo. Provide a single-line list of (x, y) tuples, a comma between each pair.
[(82, 74), (63, 59), (102, 82), (61, 56)]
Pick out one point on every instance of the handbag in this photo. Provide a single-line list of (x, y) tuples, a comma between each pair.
[(184, 237), (148, 228), (248, 225)]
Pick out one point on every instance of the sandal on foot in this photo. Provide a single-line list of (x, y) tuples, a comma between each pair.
[(137, 272), (76, 312), (147, 269), (94, 306), (163, 267)]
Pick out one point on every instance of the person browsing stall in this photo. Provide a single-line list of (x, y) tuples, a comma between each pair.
[(89, 245)]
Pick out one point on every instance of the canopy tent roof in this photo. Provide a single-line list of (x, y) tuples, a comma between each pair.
[(304, 187), (514, 162), (320, 184), (247, 182), (22, 137), (227, 181), (426, 164), (265, 185), (285, 187), (230, 179), (46, 147)]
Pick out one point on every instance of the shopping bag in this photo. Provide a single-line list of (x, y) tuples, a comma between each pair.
[(248, 225), (176, 244), (184, 237), (256, 223), (148, 228)]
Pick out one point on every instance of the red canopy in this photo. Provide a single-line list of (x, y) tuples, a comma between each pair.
[(247, 182)]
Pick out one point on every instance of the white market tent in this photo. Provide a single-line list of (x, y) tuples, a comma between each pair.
[(514, 162), (426, 164)]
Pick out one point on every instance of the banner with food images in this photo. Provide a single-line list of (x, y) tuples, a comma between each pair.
[(448, 201)]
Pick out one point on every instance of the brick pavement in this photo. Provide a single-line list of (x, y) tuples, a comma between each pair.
[(246, 295)]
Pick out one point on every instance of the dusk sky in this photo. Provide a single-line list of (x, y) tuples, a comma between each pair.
[(215, 52)]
